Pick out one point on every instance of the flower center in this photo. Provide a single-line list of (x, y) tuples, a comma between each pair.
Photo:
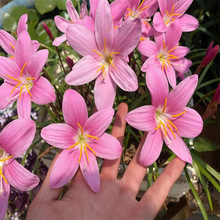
[(82, 143), (24, 83), (168, 17), (106, 60), (165, 56), (164, 121)]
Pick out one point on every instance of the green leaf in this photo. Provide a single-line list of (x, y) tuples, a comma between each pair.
[(33, 17), (75, 2), (61, 4), (45, 6), (202, 144)]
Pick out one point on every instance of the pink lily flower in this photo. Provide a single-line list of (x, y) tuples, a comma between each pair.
[(167, 119), (62, 23), (104, 54), (144, 10), (172, 10), (8, 42), (82, 139), (22, 80), (15, 139), (166, 54)]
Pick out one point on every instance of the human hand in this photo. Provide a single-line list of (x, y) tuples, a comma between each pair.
[(117, 197)]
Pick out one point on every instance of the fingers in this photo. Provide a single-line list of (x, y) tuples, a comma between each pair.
[(110, 167), (156, 195), (46, 193), (135, 173)]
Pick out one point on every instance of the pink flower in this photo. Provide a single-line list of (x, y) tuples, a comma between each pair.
[(62, 23), (15, 139), (210, 54), (22, 80), (104, 54), (82, 139), (171, 11), (8, 42), (167, 119), (166, 54)]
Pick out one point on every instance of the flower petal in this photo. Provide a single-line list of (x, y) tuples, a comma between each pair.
[(59, 135), (189, 23), (19, 177), (22, 26), (61, 23), (118, 8), (180, 51), (178, 98), (182, 5), (42, 91), (182, 65), (17, 136), (157, 84), (59, 40), (158, 23), (127, 36), (189, 124), (4, 199), (72, 11), (142, 118), (124, 76), (99, 122), (81, 39), (91, 172), (104, 26), (107, 147), (148, 48), (7, 42), (84, 71), (24, 106), (171, 76), (151, 148), (104, 88), (74, 109), (64, 168)]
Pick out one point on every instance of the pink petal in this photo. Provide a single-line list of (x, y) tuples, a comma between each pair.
[(189, 23), (35, 45), (182, 65), (148, 48), (61, 23), (5, 95), (24, 49), (179, 148), (158, 23), (19, 177), (171, 76), (81, 39), (22, 26), (124, 76), (180, 51), (181, 6), (99, 122), (151, 148), (4, 199), (24, 106), (127, 36), (74, 109), (36, 63), (64, 168), (91, 172), (83, 10), (93, 7), (107, 147), (178, 98), (59, 40), (84, 71), (142, 118), (157, 84), (163, 5), (104, 88), (17, 136), (104, 26), (189, 124), (7, 42), (118, 8), (153, 60), (72, 11), (59, 135), (88, 22), (42, 92)]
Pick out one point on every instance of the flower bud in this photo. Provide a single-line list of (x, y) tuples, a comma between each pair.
[(46, 28)]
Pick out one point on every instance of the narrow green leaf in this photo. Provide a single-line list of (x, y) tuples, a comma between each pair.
[(202, 144), (204, 73)]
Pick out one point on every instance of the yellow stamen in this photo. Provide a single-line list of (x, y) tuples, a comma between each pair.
[(112, 63), (142, 38), (164, 46), (73, 145), (94, 137), (144, 8), (165, 104), (140, 4), (172, 9), (28, 90), (12, 46), (171, 130), (164, 127), (159, 56), (172, 57), (177, 115), (101, 68), (2, 160), (130, 10), (158, 126), (80, 155), (172, 125), (172, 49), (1, 174), (176, 14), (145, 22), (169, 63), (80, 128), (23, 69), (90, 149), (11, 57), (115, 27), (98, 53), (113, 53), (105, 44), (15, 87), (86, 153), (14, 78), (29, 78), (167, 12), (21, 91)]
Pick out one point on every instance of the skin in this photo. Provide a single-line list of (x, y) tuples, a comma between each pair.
[(117, 197)]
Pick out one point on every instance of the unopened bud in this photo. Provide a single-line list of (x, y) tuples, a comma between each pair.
[(70, 62), (46, 28)]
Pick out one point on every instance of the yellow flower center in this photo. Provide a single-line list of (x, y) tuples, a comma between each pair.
[(168, 18)]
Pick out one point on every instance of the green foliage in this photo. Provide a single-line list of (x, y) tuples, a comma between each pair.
[(202, 144)]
